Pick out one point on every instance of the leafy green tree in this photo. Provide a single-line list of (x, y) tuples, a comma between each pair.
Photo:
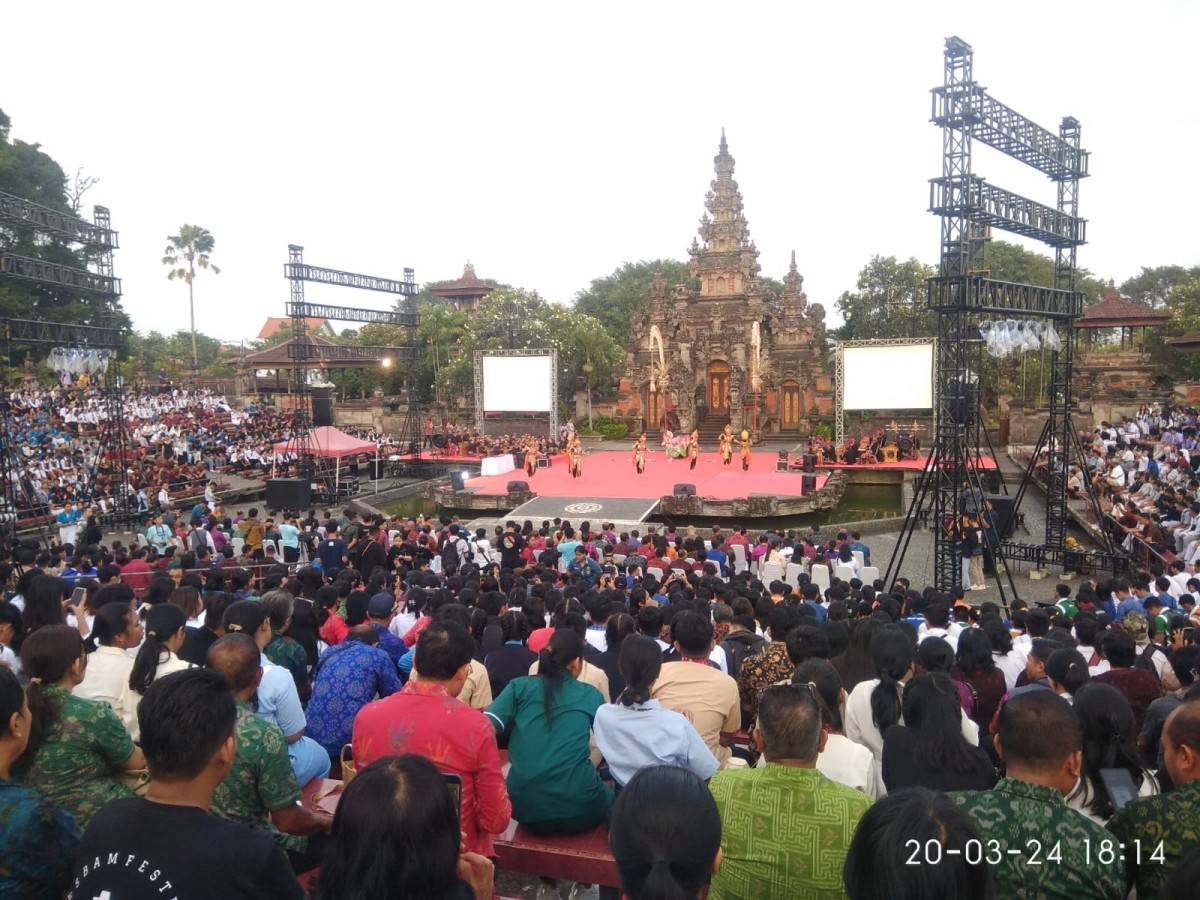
[(889, 301), (1183, 302), (617, 299), (1153, 285), (186, 251), (26, 171), (1012, 262), (441, 332), (595, 352)]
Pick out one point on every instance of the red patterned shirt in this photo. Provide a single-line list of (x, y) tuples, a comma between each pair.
[(459, 740)]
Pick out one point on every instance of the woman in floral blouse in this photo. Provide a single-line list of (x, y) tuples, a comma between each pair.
[(76, 746), (37, 838)]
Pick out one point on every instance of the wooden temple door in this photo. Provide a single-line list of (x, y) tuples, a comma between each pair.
[(789, 406), (718, 388), (654, 409)]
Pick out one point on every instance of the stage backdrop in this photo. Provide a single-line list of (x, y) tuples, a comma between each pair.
[(879, 378), (518, 384)]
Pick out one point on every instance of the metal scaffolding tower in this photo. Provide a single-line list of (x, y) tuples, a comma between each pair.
[(962, 292), (303, 352)]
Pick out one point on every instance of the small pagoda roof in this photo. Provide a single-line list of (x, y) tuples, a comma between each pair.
[(275, 324), (277, 357), (1185, 342), (1115, 312), (469, 285)]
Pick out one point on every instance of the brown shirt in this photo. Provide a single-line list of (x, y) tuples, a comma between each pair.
[(708, 694), (758, 673)]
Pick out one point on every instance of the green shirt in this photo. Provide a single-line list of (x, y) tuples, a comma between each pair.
[(1172, 819), (1038, 847), (261, 779), (75, 767), (1067, 607), (784, 832), (287, 652), (552, 776)]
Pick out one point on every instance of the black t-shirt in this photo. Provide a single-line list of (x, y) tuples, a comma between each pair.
[(135, 848), (195, 646), (511, 545)]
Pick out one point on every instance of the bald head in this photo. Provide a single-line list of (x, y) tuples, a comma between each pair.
[(236, 657), (364, 634)]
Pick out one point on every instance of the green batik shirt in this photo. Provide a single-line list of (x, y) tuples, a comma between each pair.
[(784, 831), (1172, 820), (261, 779), (75, 767), (1038, 848), (287, 652)]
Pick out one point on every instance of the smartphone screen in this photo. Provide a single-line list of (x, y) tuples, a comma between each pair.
[(77, 596), (1120, 786), (454, 782)]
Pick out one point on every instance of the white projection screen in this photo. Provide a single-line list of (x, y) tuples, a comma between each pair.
[(887, 377), (517, 384)]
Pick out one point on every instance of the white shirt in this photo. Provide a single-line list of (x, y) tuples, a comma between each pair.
[(107, 678), (1012, 665), (861, 729)]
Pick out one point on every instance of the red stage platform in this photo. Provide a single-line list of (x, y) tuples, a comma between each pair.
[(611, 474)]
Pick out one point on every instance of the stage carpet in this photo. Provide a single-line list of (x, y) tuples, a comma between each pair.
[(611, 474)]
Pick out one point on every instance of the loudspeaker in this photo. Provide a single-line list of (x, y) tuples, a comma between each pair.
[(808, 483), (457, 480), (377, 469), (518, 458), (439, 441), (685, 490), (781, 465), (543, 462), (517, 486), (322, 401), (810, 462), (1004, 509), (289, 493)]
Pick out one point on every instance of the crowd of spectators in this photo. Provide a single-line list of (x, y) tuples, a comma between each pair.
[(63, 439), (740, 739)]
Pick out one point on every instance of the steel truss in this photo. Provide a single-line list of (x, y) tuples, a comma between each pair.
[(550, 352), (99, 239), (302, 351), (962, 291), (839, 415)]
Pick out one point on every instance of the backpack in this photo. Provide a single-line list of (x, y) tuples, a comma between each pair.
[(1145, 659), (449, 555), (736, 651)]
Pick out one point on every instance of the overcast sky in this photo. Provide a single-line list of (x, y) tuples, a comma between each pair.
[(549, 143)]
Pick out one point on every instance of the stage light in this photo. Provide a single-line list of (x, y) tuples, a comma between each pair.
[(386, 362), (465, 474)]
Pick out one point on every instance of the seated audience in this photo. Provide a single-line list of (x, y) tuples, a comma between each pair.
[(426, 718), (1166, 825), (187, 725), (800, 849), (37, 838), (1108, 743), (115, 630), (1039, 740), (636, 731), (665, 835), (928, 749), (395, 834), (346, 679), (881, 865), (77, 748)]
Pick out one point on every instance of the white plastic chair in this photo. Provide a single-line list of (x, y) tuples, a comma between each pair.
[(739, 558), (845, 573), (820, 577), (771, 571), (660, 574), (794, 571), (238, 544), (141, 539), (868, 574), (862, 560), (618, 559)]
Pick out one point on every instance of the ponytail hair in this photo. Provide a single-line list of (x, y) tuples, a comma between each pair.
[(564, 648), (46, 657), (640, 663), (665, 834), (110, 620), (162, 622), (893, 654)]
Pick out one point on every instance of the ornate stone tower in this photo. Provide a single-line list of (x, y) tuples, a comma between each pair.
[(730, 352)]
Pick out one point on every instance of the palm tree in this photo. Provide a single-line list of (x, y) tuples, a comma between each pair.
[(192, 247)]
